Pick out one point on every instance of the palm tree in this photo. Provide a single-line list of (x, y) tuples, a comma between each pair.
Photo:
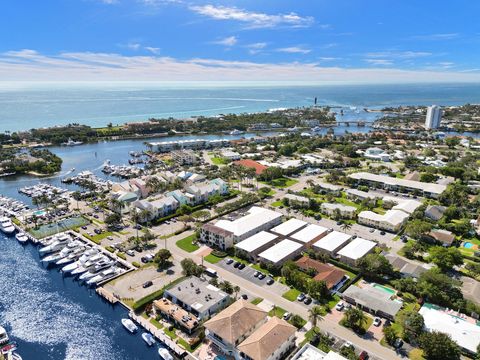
[(315, 314), (136, 218), (145, 215), (355, 318), (77, 196), (236, 290), (345, 226)]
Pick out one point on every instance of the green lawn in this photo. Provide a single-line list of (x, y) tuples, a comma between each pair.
[(187, 245), (219, 160), (212, 259), (365, 325), (187, 346), (256, 301), (281, 183), (277, 311), (97, 238), (157, 324), (345, 201), (333, 301), (291, 294), (277, 203), (171, 334), (416, 354)]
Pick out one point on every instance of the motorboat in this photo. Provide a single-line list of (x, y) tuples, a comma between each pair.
[(164, 353), (73, 256), (104, 275), (94, 259), (236, 132), (148, 338), (58, 244), (70, 142), (6, 225), (81, 261), (97, 268), (3, 336), (68, 249), (21, 237), (129, 325)]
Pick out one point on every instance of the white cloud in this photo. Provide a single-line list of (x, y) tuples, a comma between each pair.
[(29, 65), (294, 50), (133, 46), (252, 19), (379, 62), (446, 36), (398, 54), (153, 50), (109, 2), (228, 41), (137, 46), (255, 48)]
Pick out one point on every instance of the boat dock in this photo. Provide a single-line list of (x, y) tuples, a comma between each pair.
[(160, 335), (107, 295)]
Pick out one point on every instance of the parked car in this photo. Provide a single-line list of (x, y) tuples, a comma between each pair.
[(308, 300), (286, 316), (241, 266), (363, 356), (256, 273), (236, 264), (398, 344), (229, 261), (244, 296), (382, 233), (262, 276), (301, 297), (377, 322), (339, 306), (147, 284), (372, 230), (130, 252), (348, 344), (270, 281)]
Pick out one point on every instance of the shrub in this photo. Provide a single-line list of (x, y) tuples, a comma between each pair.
[(219, 253), (122, 256), (136, 264), (109, 248)]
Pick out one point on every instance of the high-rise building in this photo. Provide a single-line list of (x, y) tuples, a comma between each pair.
[(433, 118)]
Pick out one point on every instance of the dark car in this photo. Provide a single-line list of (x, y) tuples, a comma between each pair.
[(244, 297), (236, 264), (147, 284), (382, 232), (398, 343), (270, 281), (84, 228), (241, 266), (307, 301), (363, 356)]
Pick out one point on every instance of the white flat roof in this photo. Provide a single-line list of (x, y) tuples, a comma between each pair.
[(289, 226), (256, 217), (393, 217), (357, 248), (466, 334), (309, 233), (256, 241), (428, 187), (280, 251), (332, 240)]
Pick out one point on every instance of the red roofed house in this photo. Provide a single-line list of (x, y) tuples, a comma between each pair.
[(259, 168), (328, 273)]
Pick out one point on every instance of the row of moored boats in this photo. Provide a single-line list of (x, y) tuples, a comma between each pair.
[(79, 259), (8, 347)]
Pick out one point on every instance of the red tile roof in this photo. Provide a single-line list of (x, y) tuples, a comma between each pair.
[(259, 168), (328, 273)]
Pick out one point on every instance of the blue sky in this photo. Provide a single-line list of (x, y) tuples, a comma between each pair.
[(320, 40)]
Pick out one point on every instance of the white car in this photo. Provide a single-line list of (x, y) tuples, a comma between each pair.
[(286, 316), (377, 322), (339, 306), (301, 297), (130, 252)]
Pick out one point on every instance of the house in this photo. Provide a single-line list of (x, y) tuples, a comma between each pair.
[(392, 220), (405, 268), (310, 352), (332, 242), (375, 153), (435, 212), (230, 155), (358, 195), (310, 234), (279, 253), (329, 188), (229, 328), (248, 163), (198, 297), (345, 211), (373, 300), (355, 250), (323, 272), (141, 185), (289, 227), (271, 341), (184, 157), (297, 200), (165, 205), (462, 329), (255, 244), (181, 197), (391, 183), (225, 233), (443, 237)]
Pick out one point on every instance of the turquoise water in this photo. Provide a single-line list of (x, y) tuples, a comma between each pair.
[(25, 107), (384, 288), (39, 212), (467, 245)]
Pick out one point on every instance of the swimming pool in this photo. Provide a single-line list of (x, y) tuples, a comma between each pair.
[(39, 212), (384, 288), (468, 245)]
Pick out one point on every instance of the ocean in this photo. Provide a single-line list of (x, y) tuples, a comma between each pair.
[(25, 105)]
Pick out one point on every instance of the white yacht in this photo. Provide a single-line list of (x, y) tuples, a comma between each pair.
[(81, 261), (58, 244), (104, 275), (97, 268), (6, 225), (3, 336), (21, 237), (236, 132), (70, 142), (148, 338), (129, 325), (73, 256), (164, 353)]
